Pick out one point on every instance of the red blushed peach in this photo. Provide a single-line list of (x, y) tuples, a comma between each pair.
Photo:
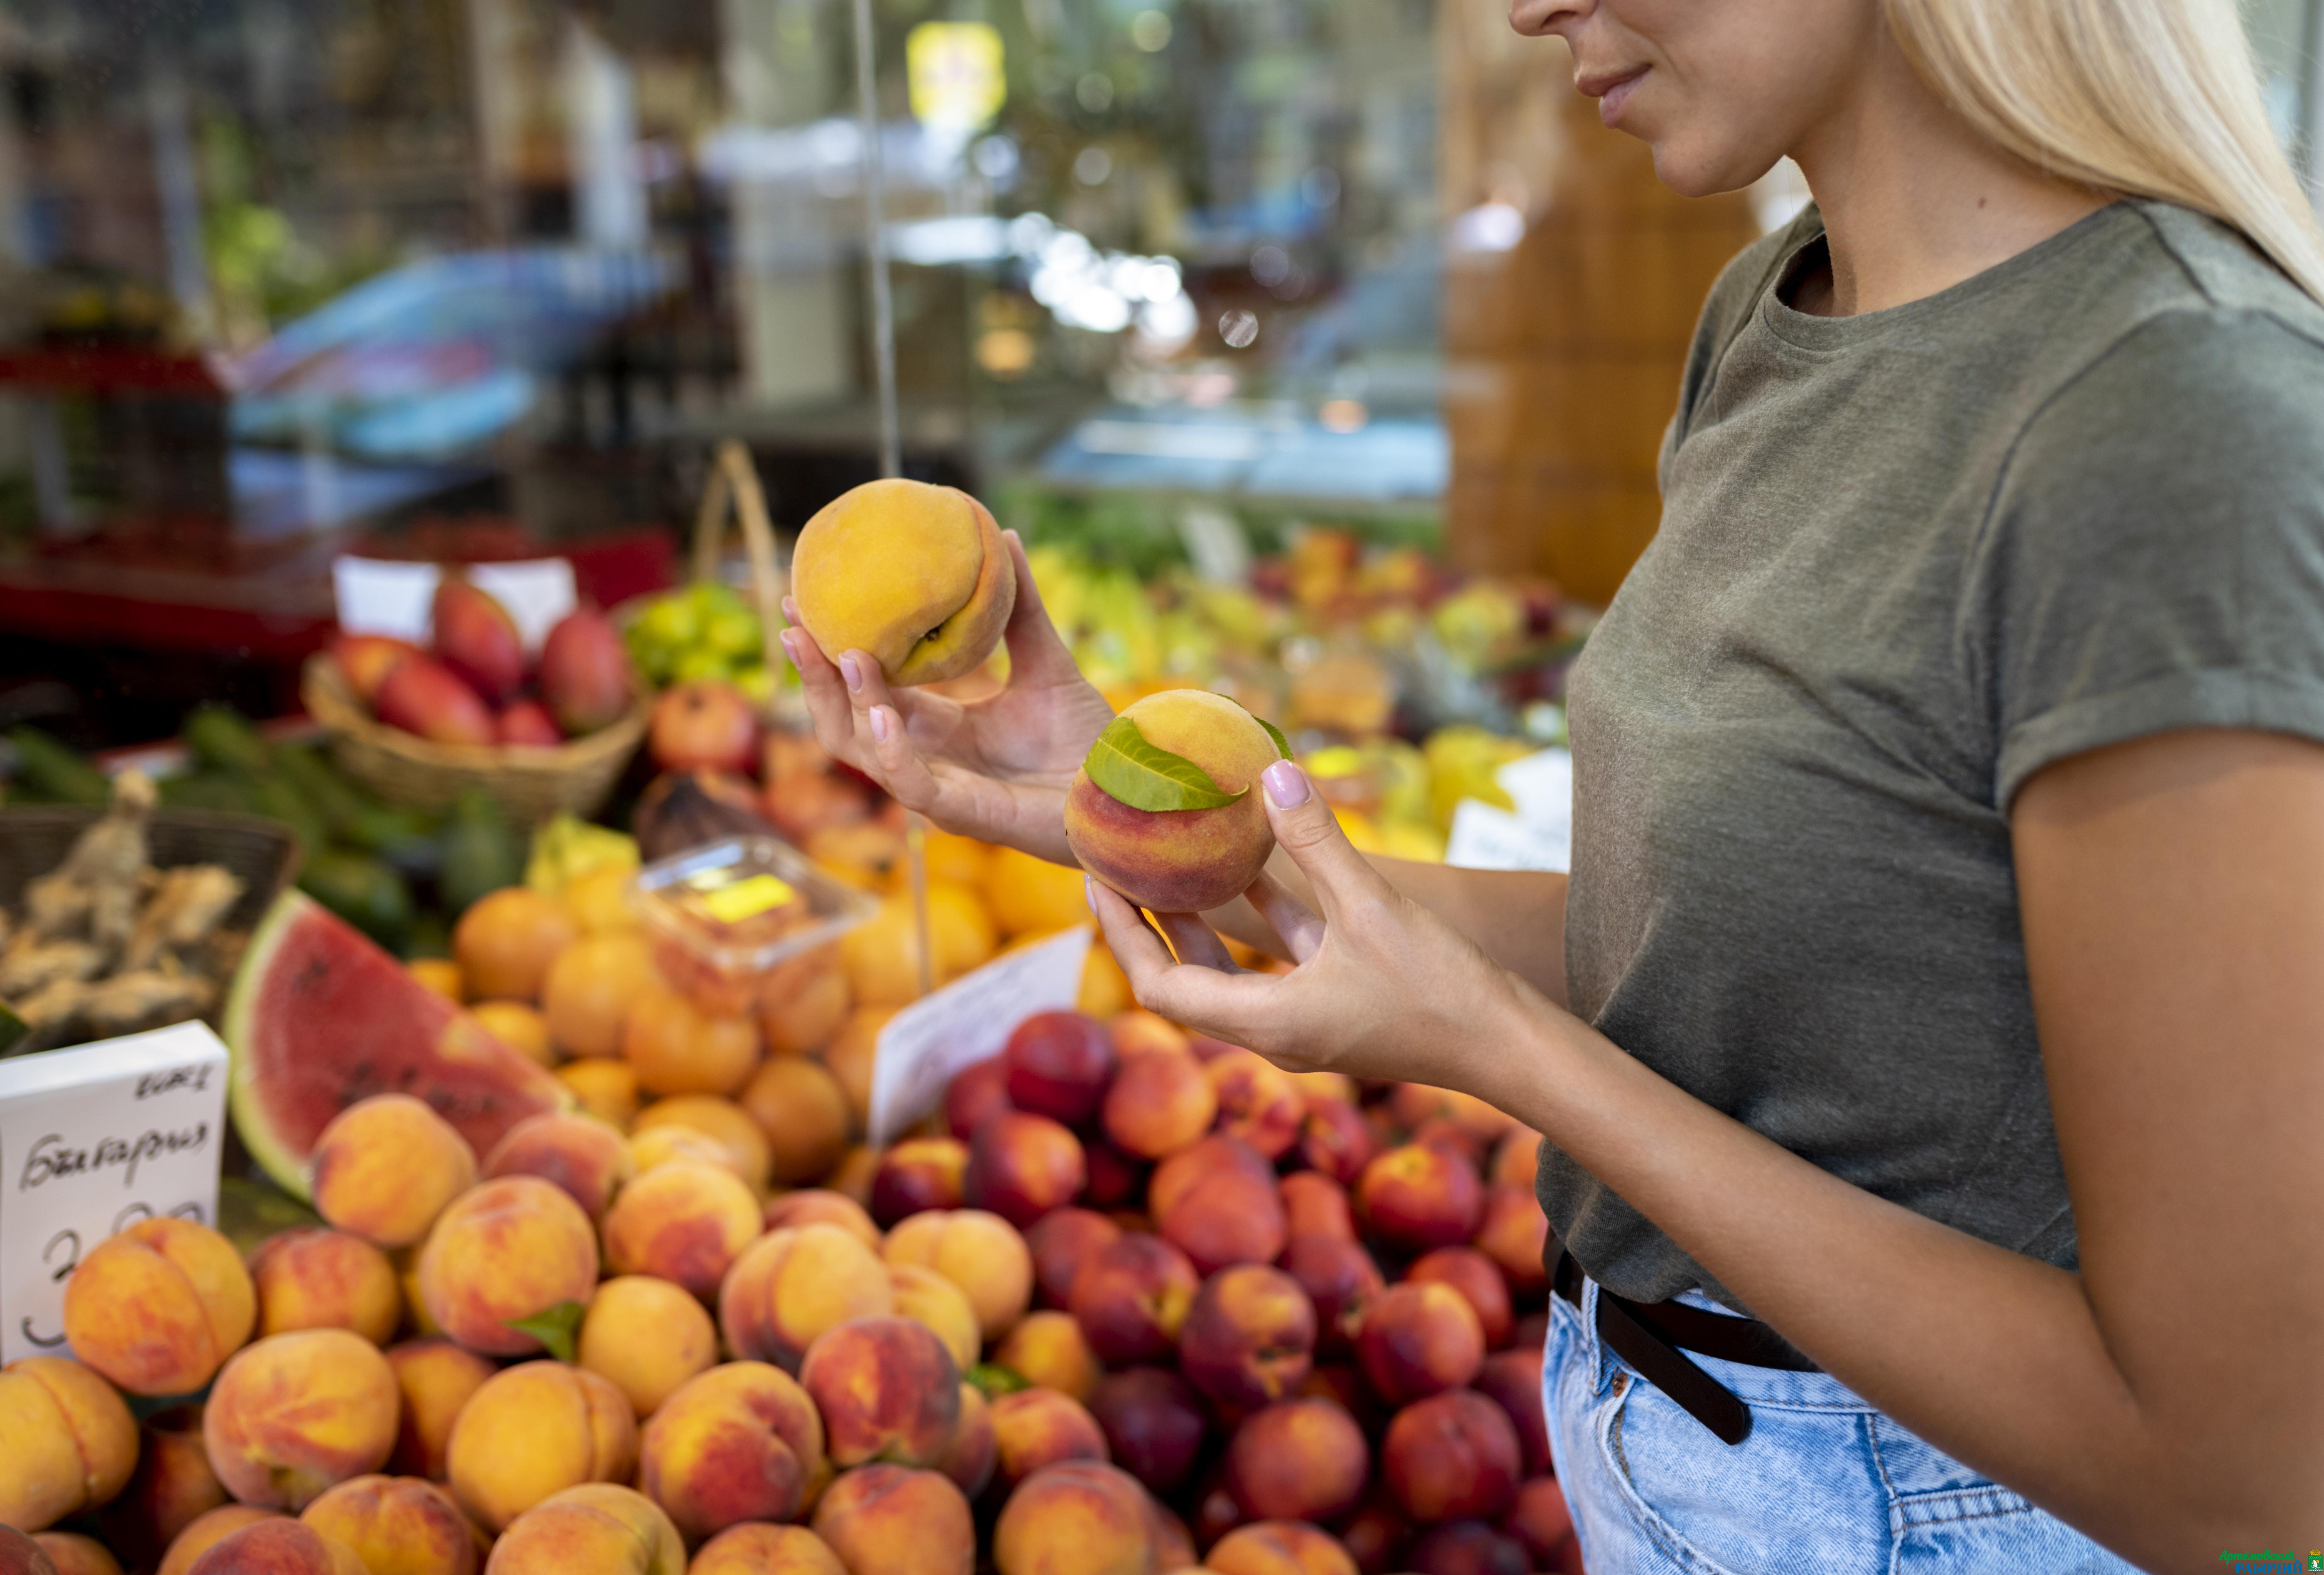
[(1512, 1379), (1061, 1242), (1058, 1064), (1453, 1139), (1452, 1457), (980, 1252), (888, 1389), (1048, 1350), (646, 1337), (1414, 1104), (685, 1222), (1021, 1165), (1513, 1234), (580, 1154), (742, 1442), (386, 1166), (976, 1094), (1420, 1340), (295, 1413), (1249, 1336), (173, 1485), (821, 1206), (1116, 1180), (754, 1548), (974, 1453), (1034, 1428), (434, 1378), (1516, 1158), (1177, 1176), (68, 1441), (1297, 1459), (1280, 1547), (1131, 1299), (399, 1524), (534, 1431), (1137, 1030), (1153, 1424), (1079, 1517), (1540, 1518), (1417, 1197), (278, 1547), (802, 1110), (1224, 1217), (309, 1278), (917, 1174), (598, 1527), (1160, 1101), (158, 1307), (1341, 1280), (70, 1553), (205, 1531), (1313, 1204), (927, 1297), (1475, 1276), (890, 1520), (505, 1250), (792, 1285), (1466, 1547), (1336, 1140), (1257, 1101), (1341, 1382), (1186, 861)]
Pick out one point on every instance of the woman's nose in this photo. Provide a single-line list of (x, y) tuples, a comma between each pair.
[(1537, 18)]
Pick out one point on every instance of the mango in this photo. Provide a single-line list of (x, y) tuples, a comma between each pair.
[(533, 1430), (69, 1442), (917, 577), (740, 1443), (648, 1338), (506, 1249), (1181, 861), (386, 1166), (475, 636), (397, 1525), (891, 1520), (159, 1307), (310, 1279), (599, 1528), (586, 676)]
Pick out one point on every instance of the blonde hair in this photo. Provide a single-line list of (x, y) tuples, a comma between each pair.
[(2146, 97)]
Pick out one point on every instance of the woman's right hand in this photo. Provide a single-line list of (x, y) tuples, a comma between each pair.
[(996, 769)]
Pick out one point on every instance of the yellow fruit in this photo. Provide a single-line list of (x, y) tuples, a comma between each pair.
[(883, 957), (607, 1089), (591, 988), (505, 943), (915, 577), (599, 899), (1029, 896), (1181, 861), (675, 1048), (440, 974), (517, 1026)]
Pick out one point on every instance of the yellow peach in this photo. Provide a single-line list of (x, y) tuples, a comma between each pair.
[(310, 1279), (69, 1442), (507, 1249), (295, 1413), (386, 1166), (646, 1337), (791, 1286), (915, 577), (397, 1525), (598, 1528), (533, 1430), (1181, 861), (685, 1221), (159, 1307)]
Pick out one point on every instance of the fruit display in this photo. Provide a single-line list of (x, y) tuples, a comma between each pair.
[(707, 632), (914, 576)]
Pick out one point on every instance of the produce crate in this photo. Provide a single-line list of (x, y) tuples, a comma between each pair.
[(35, 839)]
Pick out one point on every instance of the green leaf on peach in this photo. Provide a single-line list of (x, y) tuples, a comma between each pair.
[(1144, 776)]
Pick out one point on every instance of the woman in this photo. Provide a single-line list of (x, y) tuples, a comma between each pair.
[(1926, 1042)]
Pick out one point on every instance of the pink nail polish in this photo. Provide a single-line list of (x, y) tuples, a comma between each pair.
[(1286, 784), (851, 670), (789, 643), (879, 726)]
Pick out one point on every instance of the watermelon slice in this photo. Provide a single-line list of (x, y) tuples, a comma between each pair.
[(320, 1018)]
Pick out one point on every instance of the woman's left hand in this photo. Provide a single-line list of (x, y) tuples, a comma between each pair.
[(1382, 988)]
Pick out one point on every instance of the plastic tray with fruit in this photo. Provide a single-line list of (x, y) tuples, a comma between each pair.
[(724, 914)]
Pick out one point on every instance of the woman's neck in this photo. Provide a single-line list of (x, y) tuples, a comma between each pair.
[(1913, 201)]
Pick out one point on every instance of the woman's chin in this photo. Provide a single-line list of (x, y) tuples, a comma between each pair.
[(1693, 170)]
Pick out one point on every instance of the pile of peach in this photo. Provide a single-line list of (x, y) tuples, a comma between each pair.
[(1131, 1302)]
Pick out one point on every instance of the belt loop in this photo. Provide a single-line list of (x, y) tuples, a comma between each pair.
[(1601, 1374)]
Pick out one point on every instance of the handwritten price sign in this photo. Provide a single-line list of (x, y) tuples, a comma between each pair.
[(92, 1140)]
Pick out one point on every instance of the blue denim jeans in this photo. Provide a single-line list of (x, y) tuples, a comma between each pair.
[(1825, 1483)]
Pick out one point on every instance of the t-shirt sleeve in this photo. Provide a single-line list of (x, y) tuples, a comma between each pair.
[(2154, 558)]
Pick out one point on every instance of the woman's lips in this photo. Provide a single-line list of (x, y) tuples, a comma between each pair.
[(1612, 92)]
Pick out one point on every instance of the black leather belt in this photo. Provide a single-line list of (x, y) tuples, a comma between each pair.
[(1651, 1335)]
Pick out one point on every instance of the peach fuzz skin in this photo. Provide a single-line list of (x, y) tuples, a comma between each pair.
[(69, 1442), (278, 1547), (295, 1413), (158, 1308), (915, 577), (398, 1523), (505, 1249), (742, 1442), (533, 1430), (599, 1528), (898, 1522), (386, 1166), (756, 1548), (1181, 861)]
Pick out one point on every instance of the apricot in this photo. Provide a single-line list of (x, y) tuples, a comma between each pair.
[(1419, 1197), (1539, 1517), (675, 1047), (1341, 1280), (1048, 1349), (1336, 1141), (1131, 1299), (917, 1174), (1249, 1336), (1078, 1517), (980, 1252), (756, 1548), (804, 1114), (976, 1094), (70, 1553), (1021, 1165), (1058, 1064), (386, 1166), (821, 1206), (970, 1459), (685, 1221), (1137, 1030), (802, 1001), (1511, 1380), (1153, 1423), (1451, 1456), (1420, 1340), (67, 1438), (1513, 1235), (646, 1337), (311, 1278), (597, 1528), (725, 1122), (206, 1531), (1257, 1101), (295, 1413), (1313, 1204), (589, 992), (914, 577), (533, 1430), (277, 1545), (793, 1284), (607, 1090), (849, 1057), (891, 1520), (584, 1156), (740, 1443), (888, 1389), (157, 1307), (1160, 1101), (925, 1296), (397, 1524), (1297, 1459), (1181, 861), (435, 1379), (507, 1249), (1034, 1428), (1061, 1242), (1280, 1547), (172, 1485)]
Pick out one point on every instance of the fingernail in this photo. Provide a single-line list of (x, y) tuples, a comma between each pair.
[(1286, 784), (880, 724), (789, 642), (790, 610), (1089, 893), (853, 671)]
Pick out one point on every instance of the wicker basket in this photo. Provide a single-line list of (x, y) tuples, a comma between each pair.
[(35, 839), (531, 784)]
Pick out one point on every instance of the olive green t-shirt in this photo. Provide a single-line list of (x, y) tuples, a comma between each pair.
[(1907, 559)]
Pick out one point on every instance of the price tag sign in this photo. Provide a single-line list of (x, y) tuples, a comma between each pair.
[(925, 1045), (381, 596), (92, 1140)]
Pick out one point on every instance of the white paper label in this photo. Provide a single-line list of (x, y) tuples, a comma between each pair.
[(925, 1045), (379, 597), (92, 1140), (1486, 837)]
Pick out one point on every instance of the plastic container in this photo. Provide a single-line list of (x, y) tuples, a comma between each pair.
[(723, 915)]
